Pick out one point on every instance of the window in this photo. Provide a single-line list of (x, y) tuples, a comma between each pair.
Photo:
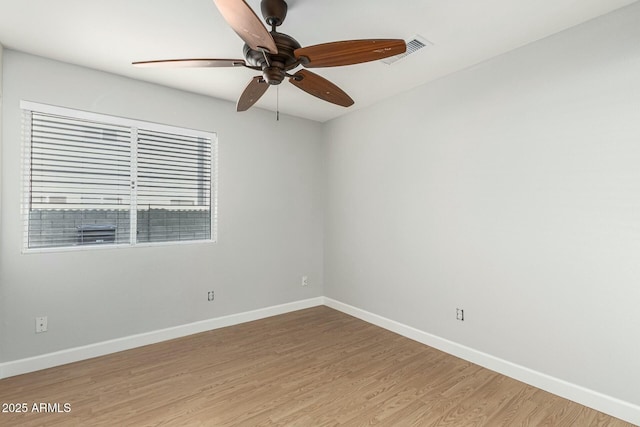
[(92, 179)]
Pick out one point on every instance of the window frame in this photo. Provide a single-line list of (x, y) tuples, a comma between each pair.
[(28, 107)]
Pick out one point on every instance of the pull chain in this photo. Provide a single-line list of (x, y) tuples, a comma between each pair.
[(278, 103)]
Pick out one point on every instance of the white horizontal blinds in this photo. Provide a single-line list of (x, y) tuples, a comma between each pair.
[(174, 187), (79, 182), (85, 173)]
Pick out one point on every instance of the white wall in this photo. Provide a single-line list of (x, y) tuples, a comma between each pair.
[(511, 190), (270, 221)]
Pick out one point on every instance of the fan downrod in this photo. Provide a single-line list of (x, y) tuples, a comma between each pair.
[(274, 12)]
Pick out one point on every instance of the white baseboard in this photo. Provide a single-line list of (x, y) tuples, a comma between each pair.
[(615, 407), (598, 401), (49, 360)]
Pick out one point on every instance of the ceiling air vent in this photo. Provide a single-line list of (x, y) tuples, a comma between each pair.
[(413, 45)]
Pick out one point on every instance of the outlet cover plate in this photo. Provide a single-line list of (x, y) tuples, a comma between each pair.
[(41, 324)]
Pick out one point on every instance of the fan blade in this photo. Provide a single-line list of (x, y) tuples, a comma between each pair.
[(349, 52), (252, 93), (201, 62), (320, 87), (246, 24)]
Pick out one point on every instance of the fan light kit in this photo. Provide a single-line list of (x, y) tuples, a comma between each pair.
[(276, 54)]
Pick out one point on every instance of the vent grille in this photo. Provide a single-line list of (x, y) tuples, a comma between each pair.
[(413, 45)]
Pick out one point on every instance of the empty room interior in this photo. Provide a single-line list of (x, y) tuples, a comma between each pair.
[(412, 213)]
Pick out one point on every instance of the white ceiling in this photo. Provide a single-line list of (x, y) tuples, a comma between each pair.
[(109, 34)]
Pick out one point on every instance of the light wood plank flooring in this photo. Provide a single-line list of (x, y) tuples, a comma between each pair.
[(315, 367)]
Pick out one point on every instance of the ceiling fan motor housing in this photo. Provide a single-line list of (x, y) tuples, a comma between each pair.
[(274, 11), (274, 69)]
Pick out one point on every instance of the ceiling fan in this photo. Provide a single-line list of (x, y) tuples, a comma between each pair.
[(276, 54)]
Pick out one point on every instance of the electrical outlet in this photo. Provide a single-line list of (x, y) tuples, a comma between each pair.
[(460, 314), (41, 324), (305, 281), (210, 296)]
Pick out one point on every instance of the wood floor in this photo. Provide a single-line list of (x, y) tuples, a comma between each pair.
[(315, 367)]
